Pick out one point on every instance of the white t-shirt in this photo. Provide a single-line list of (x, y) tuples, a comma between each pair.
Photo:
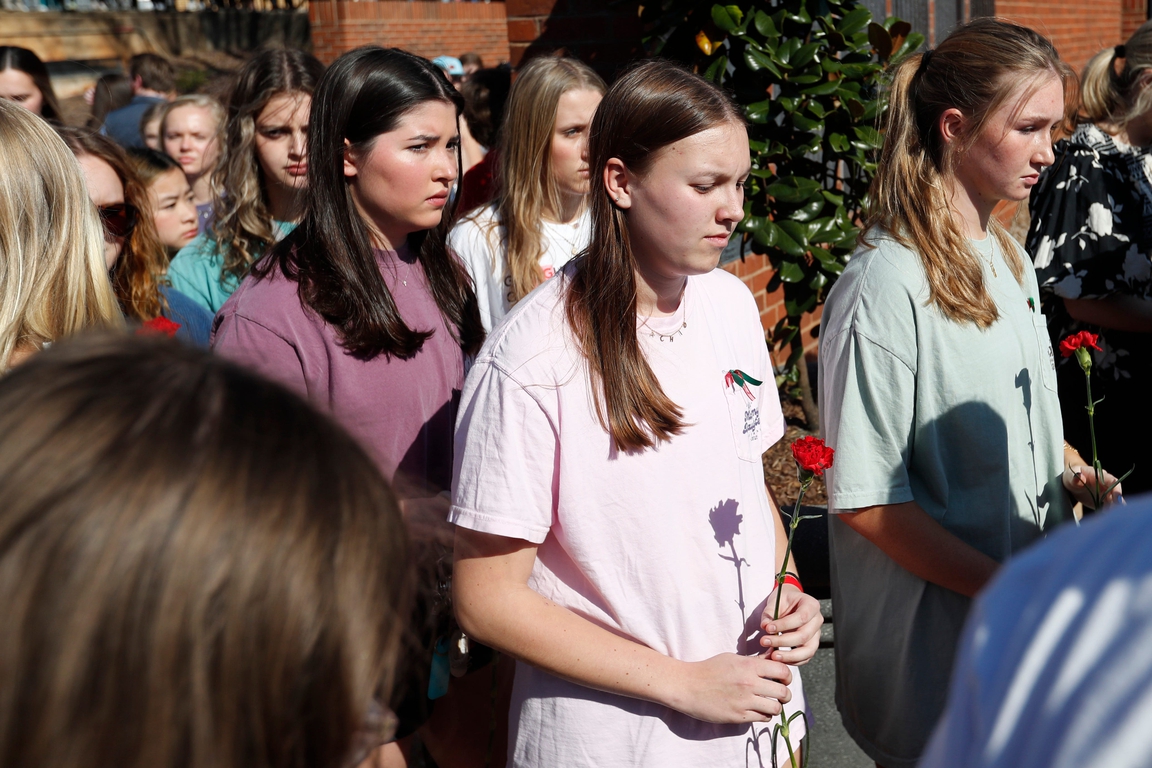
[(1055, 666), (672, 547), (478, 240)]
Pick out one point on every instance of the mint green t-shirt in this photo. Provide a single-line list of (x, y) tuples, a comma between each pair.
[(962, 420), (197, 270)]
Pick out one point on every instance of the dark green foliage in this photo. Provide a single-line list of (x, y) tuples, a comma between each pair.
[(807, 73)]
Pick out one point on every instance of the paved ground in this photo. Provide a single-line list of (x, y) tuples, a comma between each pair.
[(830, 746)]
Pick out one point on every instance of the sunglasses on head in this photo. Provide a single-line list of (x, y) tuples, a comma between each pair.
[(119, 220)]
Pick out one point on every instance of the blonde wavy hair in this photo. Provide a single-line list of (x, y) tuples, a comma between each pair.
[(53, 279), (527, 191), (976, 70), (1114, 87)]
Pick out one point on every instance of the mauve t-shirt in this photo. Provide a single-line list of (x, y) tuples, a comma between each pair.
[(401, 411)]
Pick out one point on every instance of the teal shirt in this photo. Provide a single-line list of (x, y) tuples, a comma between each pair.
[(962, 420), (197, 269)]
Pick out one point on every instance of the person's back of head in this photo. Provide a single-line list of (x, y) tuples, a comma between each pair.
[(155, 73), (54, 281), (197, 569), (112, 92), (485, 95)]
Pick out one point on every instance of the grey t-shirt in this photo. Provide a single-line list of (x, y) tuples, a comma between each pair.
[(963, 420)]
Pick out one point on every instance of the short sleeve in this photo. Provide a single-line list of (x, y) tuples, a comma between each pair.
[(468, 241), (255, 347), (506, 459), (868, 409)]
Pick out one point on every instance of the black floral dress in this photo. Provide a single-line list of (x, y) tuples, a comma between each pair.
[(1090, 237)]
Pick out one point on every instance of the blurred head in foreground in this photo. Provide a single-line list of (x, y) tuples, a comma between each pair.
[(196, 568)]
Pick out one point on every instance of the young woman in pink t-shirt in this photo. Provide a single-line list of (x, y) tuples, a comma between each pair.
[(614, 532)]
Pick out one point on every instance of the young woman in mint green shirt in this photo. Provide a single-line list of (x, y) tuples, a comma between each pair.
[(937, 385), (260, 178)]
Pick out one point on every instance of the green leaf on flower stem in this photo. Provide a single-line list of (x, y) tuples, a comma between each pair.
[(791, 272), (727, 17), (794, 189), (764, 25)]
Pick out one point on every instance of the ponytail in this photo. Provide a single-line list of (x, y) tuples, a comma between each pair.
[(1113, 90), (974, 70)]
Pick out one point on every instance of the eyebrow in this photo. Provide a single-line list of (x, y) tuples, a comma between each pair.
[(424, 137)]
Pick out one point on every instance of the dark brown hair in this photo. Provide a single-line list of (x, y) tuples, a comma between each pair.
[(138, 272), (652, 105), (363, 94), (156, 73), (112, 91), (24, 60), (976, 69), (197, 569)]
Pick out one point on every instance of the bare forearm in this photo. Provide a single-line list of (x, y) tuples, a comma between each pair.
[(522, 623), (920, 545), (1121, 312)]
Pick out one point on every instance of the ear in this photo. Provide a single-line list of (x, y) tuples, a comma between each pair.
[(350, 160), (619, 183), (951, 125)]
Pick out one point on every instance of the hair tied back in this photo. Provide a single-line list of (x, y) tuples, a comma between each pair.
[(1120, 52), (924, 57)]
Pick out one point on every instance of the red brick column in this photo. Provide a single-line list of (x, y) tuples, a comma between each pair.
[(425, 28), (603, 35)]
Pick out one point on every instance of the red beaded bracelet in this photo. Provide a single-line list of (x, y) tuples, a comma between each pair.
[(791, 579)]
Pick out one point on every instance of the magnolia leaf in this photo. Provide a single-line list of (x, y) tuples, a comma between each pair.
[(724, 18), (823, 89), (757, 60), (716, 70), (793, 189), (703, 43), (854, 21), (764, 25), (804, 55), (798, 232), (809, 210), (758, 112), (818, 281), (880, 40), (791, 272)]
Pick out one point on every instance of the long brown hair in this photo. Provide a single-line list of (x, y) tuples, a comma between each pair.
[(242, 223), (197, 569), (363, 94), (1112, 90), (526, 187), (138, 272), (24, 60), (976, 69), (652, 105)]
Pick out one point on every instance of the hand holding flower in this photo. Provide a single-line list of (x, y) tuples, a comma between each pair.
[(795, 636)]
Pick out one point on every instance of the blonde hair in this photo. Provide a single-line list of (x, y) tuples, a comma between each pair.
[(53, 278), (976, 69), (194, 100), (526, 188), (1115, 96)]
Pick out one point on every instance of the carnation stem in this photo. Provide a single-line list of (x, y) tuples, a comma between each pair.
[(805, 481), (1094, 491)]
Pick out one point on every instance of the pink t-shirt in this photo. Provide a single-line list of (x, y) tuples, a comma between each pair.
[(672, 547), (401, 411)]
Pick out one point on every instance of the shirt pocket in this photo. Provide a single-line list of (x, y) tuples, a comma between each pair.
[(742, 394), (1047, 358)]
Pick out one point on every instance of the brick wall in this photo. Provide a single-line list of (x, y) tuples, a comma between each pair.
[(1079, 29), (603, 34), (1132, 15), (425, 28)]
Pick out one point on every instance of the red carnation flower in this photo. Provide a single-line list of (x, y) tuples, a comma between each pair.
[(160, 326), (1076, 341), (812, 455)]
